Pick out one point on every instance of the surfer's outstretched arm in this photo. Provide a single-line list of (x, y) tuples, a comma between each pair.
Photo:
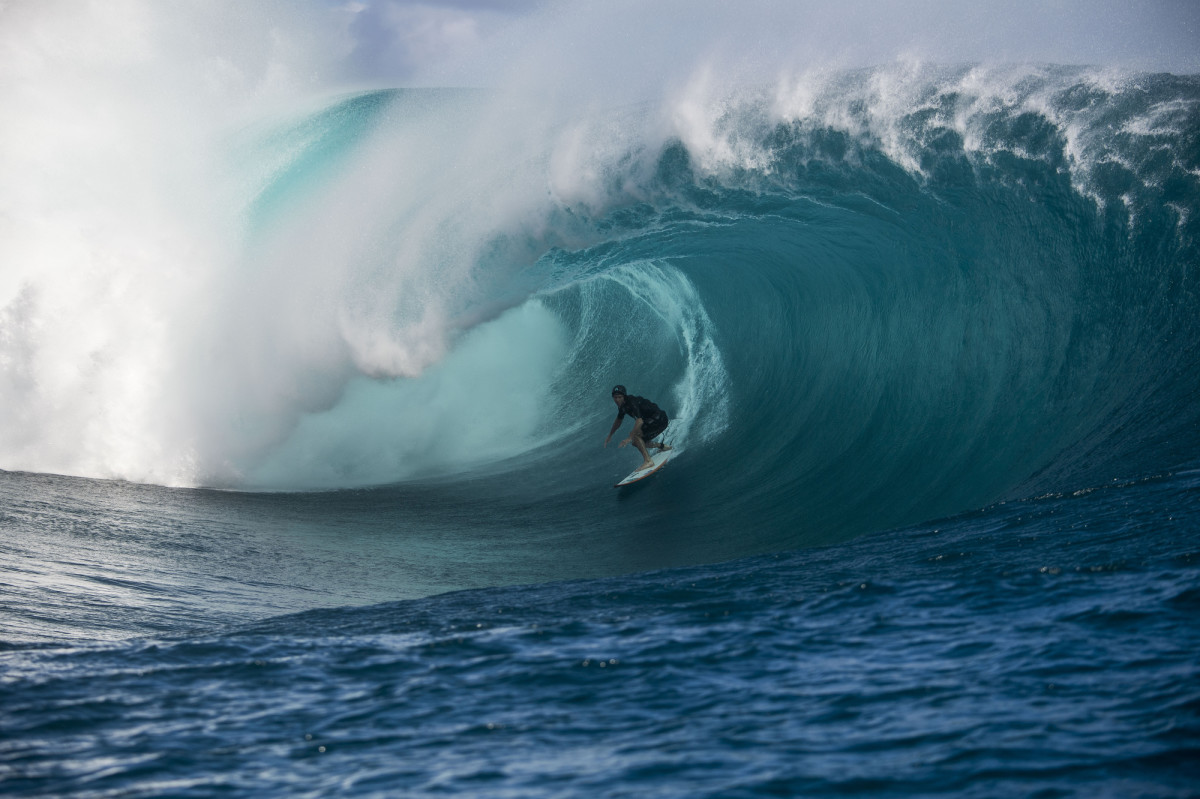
[(616, 424)]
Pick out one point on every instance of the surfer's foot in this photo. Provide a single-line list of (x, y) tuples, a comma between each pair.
[(645, 466), (664, 447)]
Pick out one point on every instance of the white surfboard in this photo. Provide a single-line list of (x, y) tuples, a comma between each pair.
[(660, 459)]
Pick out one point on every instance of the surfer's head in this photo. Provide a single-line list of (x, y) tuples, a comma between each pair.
[(618, 394)]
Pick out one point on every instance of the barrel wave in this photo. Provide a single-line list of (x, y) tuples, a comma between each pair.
[(310, 312), (866, 299)]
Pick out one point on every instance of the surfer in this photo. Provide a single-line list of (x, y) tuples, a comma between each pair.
[(649, 421)]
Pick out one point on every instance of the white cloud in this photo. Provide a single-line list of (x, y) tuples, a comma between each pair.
[(476, 42), (400, 40)]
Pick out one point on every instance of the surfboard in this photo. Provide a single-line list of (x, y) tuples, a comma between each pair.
[(659, 458)]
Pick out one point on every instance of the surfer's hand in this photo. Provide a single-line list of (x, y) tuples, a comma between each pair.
[(624, 443)]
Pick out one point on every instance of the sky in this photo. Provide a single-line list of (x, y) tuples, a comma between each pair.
[(473, 42)]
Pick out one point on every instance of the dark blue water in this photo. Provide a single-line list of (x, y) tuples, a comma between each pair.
[(1044, 647), (930, 343)]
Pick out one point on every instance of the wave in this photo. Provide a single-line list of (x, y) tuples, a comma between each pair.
[(866, 298)]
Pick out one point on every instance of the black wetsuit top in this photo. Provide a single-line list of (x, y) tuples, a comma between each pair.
[(638, 408), (654, 419)]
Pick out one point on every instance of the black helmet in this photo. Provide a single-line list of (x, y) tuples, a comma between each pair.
[(618, 389)]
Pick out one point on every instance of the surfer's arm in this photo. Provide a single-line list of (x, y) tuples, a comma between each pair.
[(616, 424)]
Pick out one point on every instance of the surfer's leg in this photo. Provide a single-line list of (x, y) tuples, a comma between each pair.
[(659, 445), (655, 429), (641, 445)]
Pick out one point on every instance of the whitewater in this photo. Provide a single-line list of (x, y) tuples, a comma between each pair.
[(305, 383)]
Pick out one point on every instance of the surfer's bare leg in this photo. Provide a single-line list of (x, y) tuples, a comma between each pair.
[(641, 445)]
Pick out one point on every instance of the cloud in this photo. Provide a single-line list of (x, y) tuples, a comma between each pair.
[(476, 42), (400, 40)]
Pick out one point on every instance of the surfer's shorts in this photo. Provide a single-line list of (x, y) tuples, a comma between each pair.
[(653, 427)]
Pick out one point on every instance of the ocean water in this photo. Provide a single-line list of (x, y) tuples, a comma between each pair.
[(304, 491), (1037, 647)]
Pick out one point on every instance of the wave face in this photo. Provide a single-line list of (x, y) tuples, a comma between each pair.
[(866, 298)]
